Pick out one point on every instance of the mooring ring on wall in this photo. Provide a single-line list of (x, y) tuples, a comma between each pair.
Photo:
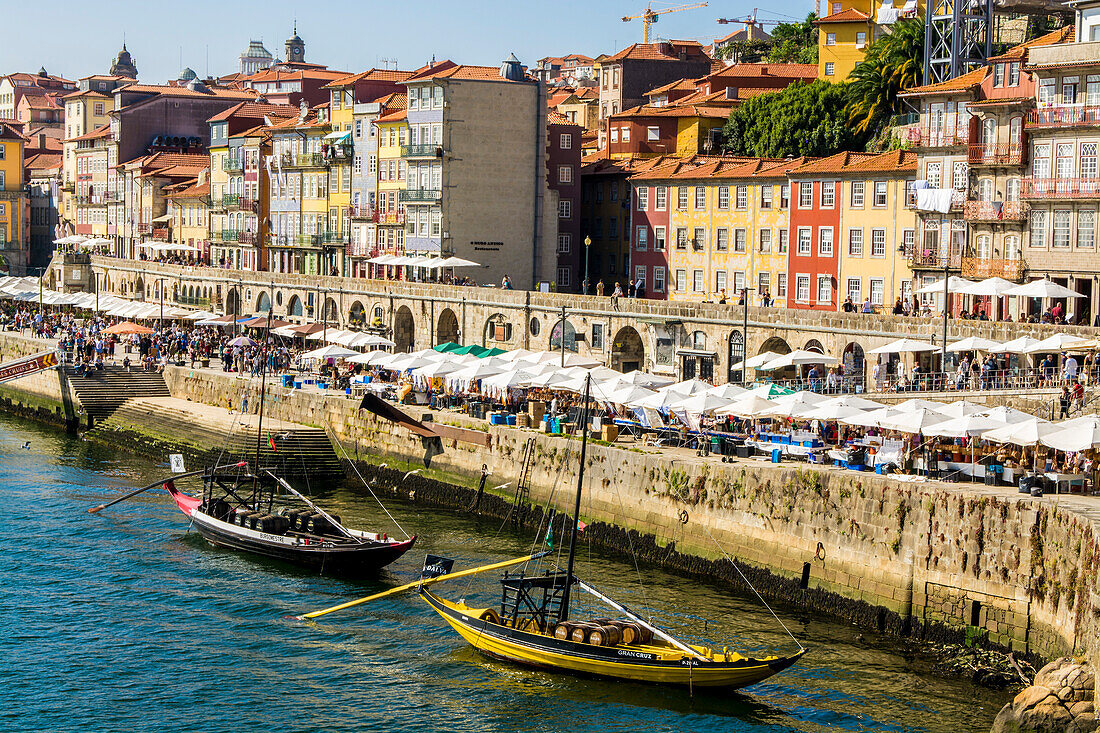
[(683, 516), (820, 554)]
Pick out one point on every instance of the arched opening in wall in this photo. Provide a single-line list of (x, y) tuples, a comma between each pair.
[(696, 358), (627, 350), (735, 372), (814, 345), (404, 330), (498, 332), (775, 345), (357, 315), (294, 307), (232, 304), (446, 329), (377, 315), (570, 336), (263, 303), (855, 367), (139, 289), (330, 314), (176, 292)]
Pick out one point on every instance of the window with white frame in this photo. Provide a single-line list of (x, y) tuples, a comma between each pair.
[(661, 202), (564, 243), (830, 68), (877, 286), (625, 136), (682, 197), (659, 279), (805, 195), (1012, 189), (878, 242), (565, 209), (681, 280), (765, 240), (565, 174), (828, 194), (856, 191), (700, 198), (565, 141), (880, 193), (1086, 228), (933, 173), (641, 193), (739, 243), (763, 283), (781, 285), (639, 274), (785, 196), (1012, 247), (652, 133), (985, 189), (783, 236), (908, 239), (742, 199), (855, 242), (958, 175), (723, 197), (1014, 73), (659, 239), (697, 283), (830, 39), (699, 237), (1038, 230), (1087, 165), (719, 280), (738, 281), (765, 197), (855, 284), (641, 238), (802, 288), (824, 289), (1063, 160), (681, 237), (998, 75), (563, 277), (825, 242), (805, 237), (1062, 218), (722, 239)]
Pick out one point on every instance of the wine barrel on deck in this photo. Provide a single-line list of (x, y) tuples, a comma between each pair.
[(605, 636), (563, 631)]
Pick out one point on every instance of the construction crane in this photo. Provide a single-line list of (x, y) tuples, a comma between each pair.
[(651, 16)]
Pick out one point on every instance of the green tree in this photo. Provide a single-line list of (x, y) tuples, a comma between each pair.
[(794, 43), (893, 64), (802, 119)]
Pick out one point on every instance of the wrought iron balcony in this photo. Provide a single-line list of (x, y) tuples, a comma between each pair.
[(945, 136), (1070, 115), (936, 256), (1060, 188), (423, 150), (334, 238), (362, 212), (247, 237), (998, 154), (244, 204), (303, 160), (307, 240), (234, 165), (977, 267), (143, 228), (422, 195), (391, 217), (161, 234), (228, 235), (992, 211)]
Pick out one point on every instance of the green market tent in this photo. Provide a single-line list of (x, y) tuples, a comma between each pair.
[(448, 348)]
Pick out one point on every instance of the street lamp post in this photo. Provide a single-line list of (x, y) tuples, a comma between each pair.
[(587, 245)]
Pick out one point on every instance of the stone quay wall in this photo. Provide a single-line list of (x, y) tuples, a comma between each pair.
[(44, 395), (934, 560)]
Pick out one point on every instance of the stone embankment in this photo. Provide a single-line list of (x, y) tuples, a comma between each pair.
[(1060, 700)]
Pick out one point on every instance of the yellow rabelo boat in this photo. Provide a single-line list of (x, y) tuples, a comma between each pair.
[(533, 626)]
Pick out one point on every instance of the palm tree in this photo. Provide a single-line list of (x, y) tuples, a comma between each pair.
[(893, 64)]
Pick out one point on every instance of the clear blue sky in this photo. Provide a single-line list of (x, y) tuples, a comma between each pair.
[(81, 38)]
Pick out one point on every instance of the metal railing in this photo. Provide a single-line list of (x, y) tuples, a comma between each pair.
[(303, 160), (362, 212), (423, 150), (161, 234), (244, 204), (143, 228), (334, 238), (997, 154), (233, 165), (228, 235), (938, 137), (981, 211), (976, 267), (934, 257), (307, 240), (391, 217), (247, 237), (972, 381), (420, 194), (1064, 116), (1051, 188)]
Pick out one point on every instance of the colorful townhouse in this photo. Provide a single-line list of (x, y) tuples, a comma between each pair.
[(14, 201), (86, 110), (188, 214), (563, 177), (813, 263), (847, 27), (392, 133)]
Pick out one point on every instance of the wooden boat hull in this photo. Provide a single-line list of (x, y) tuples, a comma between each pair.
[(335, 558), (640, 663)]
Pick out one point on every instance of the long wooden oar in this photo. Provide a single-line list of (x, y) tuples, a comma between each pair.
[(422, 582), (162, 482)]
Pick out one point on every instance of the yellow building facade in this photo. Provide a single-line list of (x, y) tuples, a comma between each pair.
[(392, 175), (14, 200), (848, 27)]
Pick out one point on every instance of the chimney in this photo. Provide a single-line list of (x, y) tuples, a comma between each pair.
[(731, 92), (42, 141)]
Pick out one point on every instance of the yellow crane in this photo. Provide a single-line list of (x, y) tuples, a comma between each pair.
[(651, 16)]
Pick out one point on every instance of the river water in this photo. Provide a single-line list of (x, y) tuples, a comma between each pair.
[(126, 621)]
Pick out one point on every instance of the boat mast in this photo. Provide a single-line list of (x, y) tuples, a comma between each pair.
[(260, 419), (564, 613)]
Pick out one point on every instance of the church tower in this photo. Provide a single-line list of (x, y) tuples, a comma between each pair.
[(295, 48), (124, 64)]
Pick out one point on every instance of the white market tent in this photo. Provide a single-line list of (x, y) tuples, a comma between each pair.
[(904, 345)]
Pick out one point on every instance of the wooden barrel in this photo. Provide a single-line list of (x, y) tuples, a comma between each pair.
[(563, 631), (605, 636), (578, 634), (635, 634)]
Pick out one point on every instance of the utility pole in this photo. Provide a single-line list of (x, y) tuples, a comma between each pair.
[(943, 346)]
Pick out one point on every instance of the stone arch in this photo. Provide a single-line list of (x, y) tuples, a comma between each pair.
[(776, 345), (855, 365), (331, 312), (570, 335), (735, 373), (627, 350), (814, 345), (357, 314), (231, 302), (294, 306), (404, 330), (139, 289), (446, 327), (263, 302), (377, 314)]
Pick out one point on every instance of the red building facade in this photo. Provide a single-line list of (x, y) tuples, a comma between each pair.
[(813, 269)]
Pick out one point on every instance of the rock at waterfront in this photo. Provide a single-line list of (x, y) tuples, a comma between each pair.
[(1060, 700)]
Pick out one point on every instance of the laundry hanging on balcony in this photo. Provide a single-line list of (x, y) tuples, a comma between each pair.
[(934, 199)]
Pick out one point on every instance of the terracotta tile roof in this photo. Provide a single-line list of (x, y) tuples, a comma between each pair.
[(678, 110), (588, 93), (278, 74), (682, 85), (894, 161), (171, 91), (465, 72), (191, 190), (41, 100), (555, 99), (10, 131), (740, 71), (165, 160), (397, 116), (597, 164), (257, 131), (1000, 101), (557, 118), (42, 162), (370, 75), (728, 167), (663, 51), (99, 132), (1062, 35), (963, 83), (851, 15), (90, 93), (256, 110)]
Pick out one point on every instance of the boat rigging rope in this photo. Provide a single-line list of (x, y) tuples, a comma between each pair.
[(364, 481), (751, 586)]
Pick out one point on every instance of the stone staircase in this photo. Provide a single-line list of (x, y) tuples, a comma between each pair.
[(166, 424), (102, 392)]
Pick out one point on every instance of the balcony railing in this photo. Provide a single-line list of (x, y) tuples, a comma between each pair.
[(999, 154), (339, 153), (391, 217), (362, 212), (424, 150), (1057, 188), (143, 228), (303, 160), (161, 234), (990, 211), (228, 235), (938, 137), (421, 195), (307, 240), (934, 256), (1071, 115), (976, 267), (247, 237), (226, 201), (234, 165), (244, 204), (334, 238)]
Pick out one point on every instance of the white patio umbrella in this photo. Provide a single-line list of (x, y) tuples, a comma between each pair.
[(514, 355), (961, 408), (549, 379), (756, 361), (643, 379), (728, 391), (1081, 436), (1010, 415), (701, 403), (200, 315), (505, 380), (1042, 288), (371, 358), (974, 343), (954, 285), (687, 387), (625, 394), (470, 372), (795, 405), (662, 398), (993, 286), (331, 351), (918, 404), (798, 358), (437, 369), (916, 421), (861, 403), (1059, 342), (871, 418), (1028, 432), (457, 262), (1021, 345), (904, 345), (831, 413), (965, 426), (747, 405)]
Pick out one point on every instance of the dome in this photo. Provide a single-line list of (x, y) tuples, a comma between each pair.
[(186, 75), (124, 64), (512, 69), (256, 50)]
